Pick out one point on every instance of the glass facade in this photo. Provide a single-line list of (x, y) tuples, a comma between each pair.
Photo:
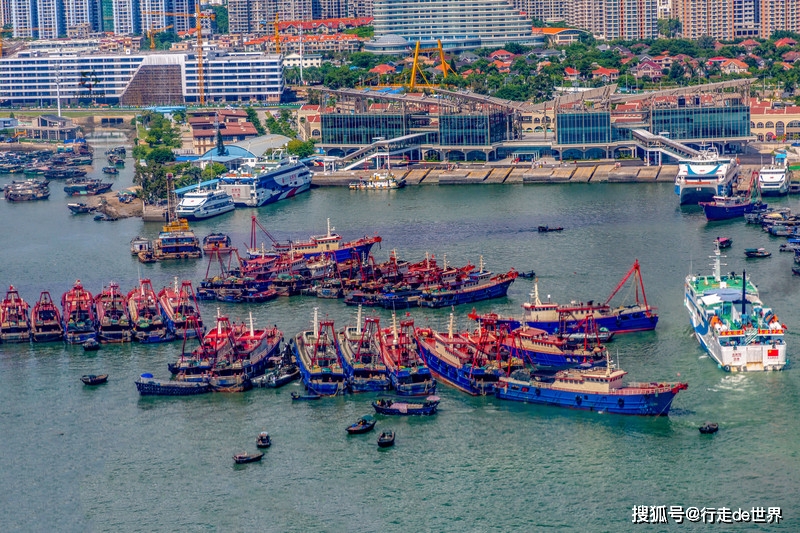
[(583, 128), (703, 122), (472, 130), (361, 129)]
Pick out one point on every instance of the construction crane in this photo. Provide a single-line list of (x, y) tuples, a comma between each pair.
[(446, 68), (277, 36), (199, 16), (151, 33)]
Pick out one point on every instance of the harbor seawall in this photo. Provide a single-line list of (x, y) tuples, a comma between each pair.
[(600, 173)]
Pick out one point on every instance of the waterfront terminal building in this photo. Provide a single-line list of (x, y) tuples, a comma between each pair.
[(363, 125), (35, 78)]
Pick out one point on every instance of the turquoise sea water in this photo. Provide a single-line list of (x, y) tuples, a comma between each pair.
[(103, 459)]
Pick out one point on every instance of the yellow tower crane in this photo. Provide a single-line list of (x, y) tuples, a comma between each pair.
[(415, 69), (151, 34), (199, 28)]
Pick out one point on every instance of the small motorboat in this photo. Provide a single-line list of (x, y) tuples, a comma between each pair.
[(387, 406), (386, 439), (263, 440), (242, 458), (91, 379), (307, 396), (708, 428), (757, 252), (364, 424), (91, 345), (530, 274), (546, 229), (78, 208), (724, 242)]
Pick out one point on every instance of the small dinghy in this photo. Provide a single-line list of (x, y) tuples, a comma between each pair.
[(386, 439), (708, 428), (306, 396), (363, 425), (91, 379), (263, 440), (242, 458), (91, 345)]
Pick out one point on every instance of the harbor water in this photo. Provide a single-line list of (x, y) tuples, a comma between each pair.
[(77, 458)]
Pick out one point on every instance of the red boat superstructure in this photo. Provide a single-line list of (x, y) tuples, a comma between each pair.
[(179, 305), (78, 314), (46, 323), (148, 321), (407, 370), (15, 326), (113, 320)]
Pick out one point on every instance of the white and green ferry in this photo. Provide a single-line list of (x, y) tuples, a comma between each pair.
[(731, 322)]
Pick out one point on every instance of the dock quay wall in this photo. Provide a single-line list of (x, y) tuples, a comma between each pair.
[(547, 175)]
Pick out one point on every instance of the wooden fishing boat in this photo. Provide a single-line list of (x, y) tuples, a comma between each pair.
[(92, 379), (724, 242), (386, 439), (388, 406), (547, 229), (242, 458), (15, 325), (216, 345), (364, 424), (217, 242), (757, 252), (78, 315), (78, 208), (304, 397), (46, 323)]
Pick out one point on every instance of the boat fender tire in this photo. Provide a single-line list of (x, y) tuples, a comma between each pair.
[(578, 400), (726, 368), (538, 392), (743, 368), (621, 402)]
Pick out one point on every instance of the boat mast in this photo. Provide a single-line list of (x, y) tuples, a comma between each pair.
[(394, 327), (358, 321), (252, 329), (451, 326)]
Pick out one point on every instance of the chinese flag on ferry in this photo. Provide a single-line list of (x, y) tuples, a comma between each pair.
[(772, 353)]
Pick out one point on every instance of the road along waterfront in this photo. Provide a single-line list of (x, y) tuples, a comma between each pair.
[(82, 459)]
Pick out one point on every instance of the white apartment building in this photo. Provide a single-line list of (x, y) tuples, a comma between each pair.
[(459, 24), (77, 18), (615, 19), (32, 78)]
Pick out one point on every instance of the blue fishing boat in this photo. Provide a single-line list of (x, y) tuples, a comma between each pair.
[(388, 406), (591, 389), (735, 206), (540, 348), (461, 360), (408, 373), (330, 245), (555, 318), (317, 354), (147, 385), (474, 287), (361, 356)]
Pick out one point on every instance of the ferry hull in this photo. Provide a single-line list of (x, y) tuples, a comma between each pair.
[(653, 404), (694, 193)]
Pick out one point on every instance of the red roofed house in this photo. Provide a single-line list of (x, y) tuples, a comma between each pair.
[(749, 44), (570, 74), (734, 66), (233, 126), (606, 74), (791, 57), (383, 69), (647, 68), (786, 41), (502, 55)]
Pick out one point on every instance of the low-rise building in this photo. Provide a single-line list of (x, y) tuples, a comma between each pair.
[(49, 128), (770, 121)]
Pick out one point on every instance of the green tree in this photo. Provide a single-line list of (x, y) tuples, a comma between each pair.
[(252, 118), (160, 155), (213, 170), (365, 32), (221, 18), (220, 145), (300, 148), (669, 27), (706, 43)]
